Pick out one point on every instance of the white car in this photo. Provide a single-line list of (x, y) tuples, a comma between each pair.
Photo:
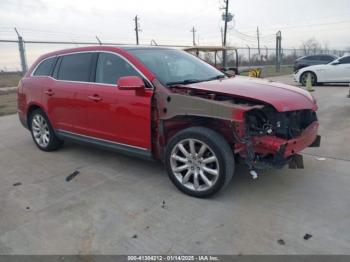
[(337, 71)]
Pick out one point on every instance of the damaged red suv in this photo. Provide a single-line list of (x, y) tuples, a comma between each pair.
[(165, 104)]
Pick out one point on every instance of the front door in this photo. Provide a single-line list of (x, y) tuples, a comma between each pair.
[(121, 116), (339, 71)]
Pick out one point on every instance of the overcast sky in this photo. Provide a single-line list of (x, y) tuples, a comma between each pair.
[(169, 22)]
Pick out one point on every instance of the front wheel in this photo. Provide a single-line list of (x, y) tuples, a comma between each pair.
[(199, 161), (304, 77)]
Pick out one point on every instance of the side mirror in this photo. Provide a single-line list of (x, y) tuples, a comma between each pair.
[(130, 83)]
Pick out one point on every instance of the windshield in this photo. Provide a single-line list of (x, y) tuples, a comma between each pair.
[(176, 67), (335, 60)]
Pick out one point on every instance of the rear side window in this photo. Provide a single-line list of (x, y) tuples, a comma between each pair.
[(75, 67), (111, 67), (327, 58), (311, 57), (44, 68)]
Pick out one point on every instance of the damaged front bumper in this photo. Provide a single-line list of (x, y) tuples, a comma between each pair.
[(272, 151), (266, 144)]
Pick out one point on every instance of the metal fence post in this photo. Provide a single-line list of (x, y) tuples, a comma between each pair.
[(22, 53), (278, 51), (267, 53), (249, 55)]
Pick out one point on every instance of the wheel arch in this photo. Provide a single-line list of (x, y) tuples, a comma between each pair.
[(307, 71), (179, 123), (31, 108)]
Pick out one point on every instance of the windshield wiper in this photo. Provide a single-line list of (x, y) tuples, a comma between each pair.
[(184, 82), (192, 81), (216, 77)]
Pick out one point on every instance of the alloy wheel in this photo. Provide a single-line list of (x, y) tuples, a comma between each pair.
[(40, 129), (194, 164)]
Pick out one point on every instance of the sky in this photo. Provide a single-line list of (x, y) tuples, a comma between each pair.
[(170, 22)]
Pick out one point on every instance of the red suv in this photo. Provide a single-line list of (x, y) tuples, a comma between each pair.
[(166, 104)]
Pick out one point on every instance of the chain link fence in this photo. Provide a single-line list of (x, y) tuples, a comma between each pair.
[(247, 57)]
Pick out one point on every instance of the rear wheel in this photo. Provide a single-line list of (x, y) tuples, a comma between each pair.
[(304, 76), (42, 132), (199, 161)]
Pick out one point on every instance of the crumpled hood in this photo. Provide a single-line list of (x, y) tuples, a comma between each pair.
[(281, 96)]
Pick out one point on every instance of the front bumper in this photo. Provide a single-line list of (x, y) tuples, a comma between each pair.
[(271, 144), (296, 78)]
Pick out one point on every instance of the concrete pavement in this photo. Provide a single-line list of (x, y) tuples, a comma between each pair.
[(121, 205)]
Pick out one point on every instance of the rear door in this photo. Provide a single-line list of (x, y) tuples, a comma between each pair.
[(121, 116), (41, 81), (317, 60), (66, 96)]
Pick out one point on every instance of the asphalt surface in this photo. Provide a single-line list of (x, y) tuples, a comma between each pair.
[(122, 205)]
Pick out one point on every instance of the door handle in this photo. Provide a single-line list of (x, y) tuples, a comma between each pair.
[(49, 92), (95, 98)]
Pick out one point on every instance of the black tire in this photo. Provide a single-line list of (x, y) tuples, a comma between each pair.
[(217, 148), (54, 142), (303, 78)]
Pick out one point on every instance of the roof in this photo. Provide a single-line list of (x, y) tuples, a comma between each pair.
[(104, 48), (140, 47), (209, 48)]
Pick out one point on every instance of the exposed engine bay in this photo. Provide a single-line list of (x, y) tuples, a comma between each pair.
[(287, 125)]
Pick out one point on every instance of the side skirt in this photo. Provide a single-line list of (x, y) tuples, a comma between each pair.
[(105, 144)]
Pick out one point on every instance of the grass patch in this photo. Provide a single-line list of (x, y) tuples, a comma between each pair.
[(8, 104), (271, 71), (9, 79)]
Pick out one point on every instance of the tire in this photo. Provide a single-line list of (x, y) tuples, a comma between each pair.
[(42, 132), (203, 170), (303, 78)]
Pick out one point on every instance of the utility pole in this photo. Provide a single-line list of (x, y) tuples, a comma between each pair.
[(193, 30), (224, 59), (222, 36), (278, 51), (22, 53), (267, 53), (137, 29), (258, 35), (249, 55)]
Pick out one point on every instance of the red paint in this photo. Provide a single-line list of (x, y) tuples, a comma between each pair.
[(122, 116), (131, 83)]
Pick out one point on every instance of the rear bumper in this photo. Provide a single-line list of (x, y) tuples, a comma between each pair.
[(287, 148)]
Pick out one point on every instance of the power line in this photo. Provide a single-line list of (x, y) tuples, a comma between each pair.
[(303, 26)]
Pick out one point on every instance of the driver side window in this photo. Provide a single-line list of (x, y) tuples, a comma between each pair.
[(111, 67)]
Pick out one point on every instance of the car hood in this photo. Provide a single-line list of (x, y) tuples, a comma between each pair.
[(281, 96)]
